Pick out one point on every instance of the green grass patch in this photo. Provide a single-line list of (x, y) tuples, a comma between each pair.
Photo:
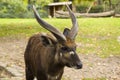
[(99, 36), (96, 35)]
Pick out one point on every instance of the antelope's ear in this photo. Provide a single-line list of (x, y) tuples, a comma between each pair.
[(66, 32), (46, 41)]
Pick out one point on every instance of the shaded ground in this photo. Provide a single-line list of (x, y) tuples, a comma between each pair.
[(12, 50)]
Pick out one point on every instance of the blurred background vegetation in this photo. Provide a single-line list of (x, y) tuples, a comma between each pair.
[(22, 8)]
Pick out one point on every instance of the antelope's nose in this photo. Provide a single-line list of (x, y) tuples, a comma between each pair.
[(79, 65)]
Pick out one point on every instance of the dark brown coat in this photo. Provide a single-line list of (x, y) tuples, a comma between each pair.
[(40, 58)]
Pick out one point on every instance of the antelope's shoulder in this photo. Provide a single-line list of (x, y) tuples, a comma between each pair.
[(46, 39)]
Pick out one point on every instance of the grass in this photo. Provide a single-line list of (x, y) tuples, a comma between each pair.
[(99, 36), (96, 35)]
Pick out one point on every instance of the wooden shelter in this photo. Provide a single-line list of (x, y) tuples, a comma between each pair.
[(57, 6)]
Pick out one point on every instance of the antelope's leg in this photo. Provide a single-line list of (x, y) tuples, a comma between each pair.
[(29, 74)]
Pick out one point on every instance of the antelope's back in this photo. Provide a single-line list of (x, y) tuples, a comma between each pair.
[(38, 49)]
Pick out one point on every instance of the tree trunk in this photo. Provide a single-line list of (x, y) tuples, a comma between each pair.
[(103, 14), (99, 2), (28, 7), (110, 4)]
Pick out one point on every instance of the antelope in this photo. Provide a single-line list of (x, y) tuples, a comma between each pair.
[(46, 55)]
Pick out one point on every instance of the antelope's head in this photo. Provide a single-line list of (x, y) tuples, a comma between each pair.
[(66, 45)]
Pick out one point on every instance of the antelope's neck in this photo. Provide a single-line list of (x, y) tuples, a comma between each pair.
[(55, 71), (50, 77)]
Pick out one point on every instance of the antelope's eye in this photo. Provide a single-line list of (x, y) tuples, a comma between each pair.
[(65, 48)]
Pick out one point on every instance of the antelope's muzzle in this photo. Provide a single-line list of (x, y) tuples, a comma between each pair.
[(79, 65)]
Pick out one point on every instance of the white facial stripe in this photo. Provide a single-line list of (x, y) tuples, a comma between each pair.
[(71, 52), (61, 54)]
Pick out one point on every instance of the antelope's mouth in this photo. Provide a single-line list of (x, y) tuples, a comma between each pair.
[(77, 66)]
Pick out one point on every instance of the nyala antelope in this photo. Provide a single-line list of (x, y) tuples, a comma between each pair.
[(46, 55)]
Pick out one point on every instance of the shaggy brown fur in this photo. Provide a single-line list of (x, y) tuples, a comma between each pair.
[(40, 58), (43, 59)]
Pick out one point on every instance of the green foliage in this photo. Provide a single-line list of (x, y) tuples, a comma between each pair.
[(84, 8), (116, 5), (12, 9), (42, 7), (96, 9), (19, 8), (81, 8)]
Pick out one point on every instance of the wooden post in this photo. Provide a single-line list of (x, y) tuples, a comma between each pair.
[(53, 11)]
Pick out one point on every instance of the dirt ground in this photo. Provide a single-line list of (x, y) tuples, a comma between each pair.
[(12, 51)]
